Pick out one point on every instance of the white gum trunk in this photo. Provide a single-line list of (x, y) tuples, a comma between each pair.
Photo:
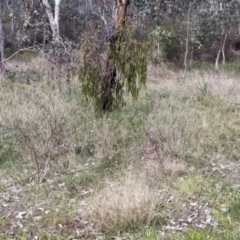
[(1, 42), (53, 18)]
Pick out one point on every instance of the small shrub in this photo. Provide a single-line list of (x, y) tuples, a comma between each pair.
[(42, 132), (169, 40)]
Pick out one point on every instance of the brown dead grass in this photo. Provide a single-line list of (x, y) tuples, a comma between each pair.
[(131, 200), (127, 203), (219, 83)]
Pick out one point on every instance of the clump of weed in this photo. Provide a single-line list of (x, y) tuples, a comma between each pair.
[(81, 181), (194, 235), (191, 184)]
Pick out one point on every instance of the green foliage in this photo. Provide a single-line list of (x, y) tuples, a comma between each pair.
[(7, 19), (193, 235), (90, 76), (27, 56), (75, 182), (168, 38), (8, 145), (171, 48), (202, 66), (211, 235), (232, 68), (130, 59), (151, 234), (235, 209)]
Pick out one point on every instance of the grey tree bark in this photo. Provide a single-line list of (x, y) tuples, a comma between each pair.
[(2, 68), (26, 23)]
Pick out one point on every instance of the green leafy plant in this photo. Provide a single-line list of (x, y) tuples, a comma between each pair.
[(130, 60), (169, 41)]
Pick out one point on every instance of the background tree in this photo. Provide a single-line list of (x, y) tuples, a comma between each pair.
[(1, 42), (114, 62), (109, 79), (53, 17), (26, 23)]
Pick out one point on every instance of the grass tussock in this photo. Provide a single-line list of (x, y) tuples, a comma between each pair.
[(126, 204)]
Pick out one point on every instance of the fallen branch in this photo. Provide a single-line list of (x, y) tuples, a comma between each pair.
[(20, 50)]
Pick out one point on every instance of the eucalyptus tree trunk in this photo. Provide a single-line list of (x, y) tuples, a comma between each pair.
[(187, 42), (26, 23), (2, 68), (109, 79), (53, 19)]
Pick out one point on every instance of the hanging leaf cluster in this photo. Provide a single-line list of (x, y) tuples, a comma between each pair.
[(130, 60), (89, 69)]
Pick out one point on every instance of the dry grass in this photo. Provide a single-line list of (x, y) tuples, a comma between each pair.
[(41, 123), (108, 168), (126, 203)]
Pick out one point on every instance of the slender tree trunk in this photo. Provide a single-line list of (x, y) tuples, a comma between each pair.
[(109, 79), (56, 20), (2, 68), (222, 46), (187, 43), (26, 23), (53, 19), (223, 49), (217, 58)]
